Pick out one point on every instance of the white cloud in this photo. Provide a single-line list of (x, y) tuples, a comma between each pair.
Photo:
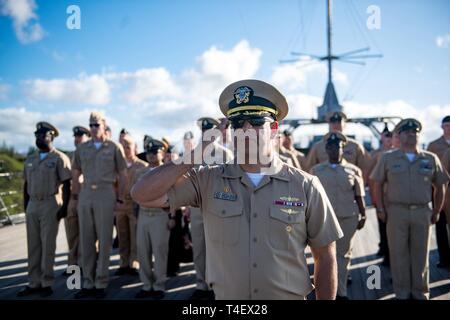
[(24, 18), (295, 76), (443, 41), (156, 102), (92, 89)]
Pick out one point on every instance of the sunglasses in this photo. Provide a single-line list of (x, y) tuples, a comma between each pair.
[(254, 122), (94, 125)]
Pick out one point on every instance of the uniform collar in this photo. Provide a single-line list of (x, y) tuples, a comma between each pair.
[(419, 154), (234, 171)]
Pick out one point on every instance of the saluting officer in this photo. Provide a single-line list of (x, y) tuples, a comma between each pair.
[(344, 185), (409, 175), (354, 152), (126, 217), (46, 196), (80, 135), (439, 147), (153, 233), (258, 217), (101, 162)]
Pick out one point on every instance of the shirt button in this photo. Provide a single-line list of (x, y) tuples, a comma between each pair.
[(255, 265), (254, 215), (255, 290), (254, 239), (288, 228), (223, 212)]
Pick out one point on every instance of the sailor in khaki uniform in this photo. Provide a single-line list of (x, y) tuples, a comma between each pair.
[(288, 144), (439, 147), (126, 217), (409, 174), (354, 152), (101, 162), (80, 135), (46, 196), (344, 185), (446, 165), (153, 232), (258, 217), (385, 146)]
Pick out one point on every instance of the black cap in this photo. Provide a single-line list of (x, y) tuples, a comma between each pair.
[(155, 144), (287, 133), (44, 127), (123, 131), (335, 138), (446, 119), (386, 132), (80, 130), (207, 123)]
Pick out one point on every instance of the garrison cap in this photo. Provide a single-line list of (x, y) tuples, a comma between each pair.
[(96, 117), (335, 138), (188, 135), (446, 119), (206, 123), (386, 132), (253, 98), (44, 127), (334, 116), (407, 124), (80, 130), (155, 144)]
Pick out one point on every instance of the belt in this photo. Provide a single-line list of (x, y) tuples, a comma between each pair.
[(40, 198), (152, 213), (412, 206), (97, 186)]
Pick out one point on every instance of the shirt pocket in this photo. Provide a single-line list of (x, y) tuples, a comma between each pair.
[(286, 227), (224, 221)]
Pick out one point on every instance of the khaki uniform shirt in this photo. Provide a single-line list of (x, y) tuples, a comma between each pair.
[(99, 167), (342, 183), (446, 165), (256, 236), (409, 183), (438, 147), (44, 177), (354, 153), (132, 172)]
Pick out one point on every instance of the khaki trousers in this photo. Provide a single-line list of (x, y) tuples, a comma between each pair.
[(408, 232), (42, 230), (198, 248), (153, 240), (126, 222), (96, 218), (344, 251), (72, 235)]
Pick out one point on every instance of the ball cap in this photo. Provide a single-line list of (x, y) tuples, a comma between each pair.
[(335, 138), (80, 130), (253, 98), (44, 127), (206, 123), (446, 119), (407, 124)]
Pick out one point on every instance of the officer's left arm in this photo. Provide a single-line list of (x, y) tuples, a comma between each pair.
[(325, 271), (359, 197), (440, 180), (62, 213)]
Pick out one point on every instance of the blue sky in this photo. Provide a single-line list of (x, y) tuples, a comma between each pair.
[(123, 47)]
